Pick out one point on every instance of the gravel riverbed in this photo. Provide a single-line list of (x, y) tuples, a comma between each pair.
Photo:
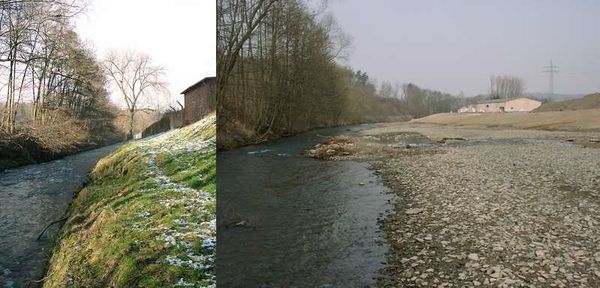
[(487, 207)]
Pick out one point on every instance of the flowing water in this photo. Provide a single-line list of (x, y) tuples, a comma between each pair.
[(30, 198), (285, 220)]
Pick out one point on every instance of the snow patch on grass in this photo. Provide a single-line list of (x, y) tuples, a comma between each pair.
[(147, 218)]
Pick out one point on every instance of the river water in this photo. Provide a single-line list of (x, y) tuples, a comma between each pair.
[(30, 198), (285, 220)]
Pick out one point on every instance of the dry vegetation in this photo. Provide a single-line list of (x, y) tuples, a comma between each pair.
[(66, 135), (337, 146)]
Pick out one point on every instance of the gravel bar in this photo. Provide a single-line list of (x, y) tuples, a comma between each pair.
[(489, 207)]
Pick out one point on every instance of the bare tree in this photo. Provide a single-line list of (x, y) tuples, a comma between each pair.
[(502, 87), (237, 22), (135, 76), (278, 71), (32, 55), (340, 43)]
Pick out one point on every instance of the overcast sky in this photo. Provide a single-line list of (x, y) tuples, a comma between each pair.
[(457, 45), (177, 34)]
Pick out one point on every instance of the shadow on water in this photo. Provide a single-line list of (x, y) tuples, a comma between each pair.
[(30, 198), (285, 220)]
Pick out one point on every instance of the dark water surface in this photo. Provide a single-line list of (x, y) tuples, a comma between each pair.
[(30, 198), (285, 220)]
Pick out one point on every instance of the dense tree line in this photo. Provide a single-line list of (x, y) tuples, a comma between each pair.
[(48, 75), (365, 103), (422, 102), (277, 72)]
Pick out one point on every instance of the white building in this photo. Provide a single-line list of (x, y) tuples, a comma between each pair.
[(521, 104)]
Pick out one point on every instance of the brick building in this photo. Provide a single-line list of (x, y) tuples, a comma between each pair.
[(200, 99)]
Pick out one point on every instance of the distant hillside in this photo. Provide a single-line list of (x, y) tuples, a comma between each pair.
[(555, 97), (591, 101)]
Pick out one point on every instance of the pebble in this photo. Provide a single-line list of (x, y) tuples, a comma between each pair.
[(414, 211), (509, 196), (473, 256), (539, 254)]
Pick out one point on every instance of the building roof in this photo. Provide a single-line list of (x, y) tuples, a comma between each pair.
[(198, 84), (502, 100)]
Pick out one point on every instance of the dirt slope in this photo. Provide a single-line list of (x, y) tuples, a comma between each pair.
[(591, 101), (580, 120)]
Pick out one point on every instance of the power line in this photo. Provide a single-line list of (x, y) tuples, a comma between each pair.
[(551, 70)]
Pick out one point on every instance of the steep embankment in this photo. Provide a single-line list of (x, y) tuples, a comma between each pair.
[(591, 101), (30, 145), (21, 149), (580, 120), (146, 218)]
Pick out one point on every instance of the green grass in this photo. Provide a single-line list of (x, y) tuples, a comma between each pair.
[(147, 217)]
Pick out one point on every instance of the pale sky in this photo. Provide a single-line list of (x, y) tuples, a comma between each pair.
[(457, 45), (180, 35)]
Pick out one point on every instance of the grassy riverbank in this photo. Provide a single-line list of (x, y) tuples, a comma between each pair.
[(146, 218)]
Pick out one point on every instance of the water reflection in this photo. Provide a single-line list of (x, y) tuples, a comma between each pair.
[(285, 220)]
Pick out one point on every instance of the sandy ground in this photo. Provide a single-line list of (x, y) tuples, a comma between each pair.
[(485, 207), (580, 120)]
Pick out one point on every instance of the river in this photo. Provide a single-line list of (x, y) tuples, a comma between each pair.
[(286, 220), (30, 198)]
